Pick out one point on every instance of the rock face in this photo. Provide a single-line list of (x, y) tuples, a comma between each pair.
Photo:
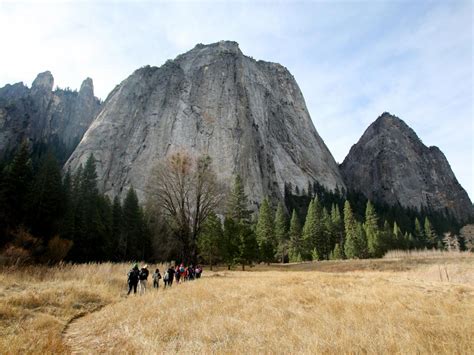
[(390, 164), (248, 116), (42, 115)]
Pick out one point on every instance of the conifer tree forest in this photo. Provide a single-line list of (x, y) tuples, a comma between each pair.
[(47, 215)]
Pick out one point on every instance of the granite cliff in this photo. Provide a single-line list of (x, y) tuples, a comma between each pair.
[(249, 116), (42, 115), (390, 164)]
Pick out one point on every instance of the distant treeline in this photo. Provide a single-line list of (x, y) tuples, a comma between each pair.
[(47, 216)]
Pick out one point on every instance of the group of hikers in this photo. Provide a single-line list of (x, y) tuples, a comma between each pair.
[(137, 278)]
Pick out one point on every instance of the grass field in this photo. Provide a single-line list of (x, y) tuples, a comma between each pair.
[(406, 305)]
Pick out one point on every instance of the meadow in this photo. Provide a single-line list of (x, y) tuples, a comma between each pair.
[(402, 304)]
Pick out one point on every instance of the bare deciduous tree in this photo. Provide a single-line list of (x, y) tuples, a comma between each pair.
[(186, 190)]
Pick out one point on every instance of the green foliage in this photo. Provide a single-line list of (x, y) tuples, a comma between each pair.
[(237, 206), (310, 230), (15, 189), (265, 232), (337, 253), (210, 240), (281, 234), (374, 242), (430, 235), (296, 246), (46, 199), (351, 248)]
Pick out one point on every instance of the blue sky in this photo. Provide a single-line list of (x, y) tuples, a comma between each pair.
[(353, 60)]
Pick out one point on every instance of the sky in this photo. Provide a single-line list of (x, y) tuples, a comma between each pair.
[(353, 60)]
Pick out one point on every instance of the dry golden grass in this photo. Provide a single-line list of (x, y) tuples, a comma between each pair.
[(363, 306), (290, 312), (36, 303)]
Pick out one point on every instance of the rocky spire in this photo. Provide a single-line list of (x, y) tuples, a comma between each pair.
[(44, 81), (87, 88)]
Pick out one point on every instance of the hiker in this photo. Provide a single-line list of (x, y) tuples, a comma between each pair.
[(182, 272), (156, 278), (143, 276), (190, 273), (166, 278), (133, 279), (170, 276), (198, 272), (177, 275)]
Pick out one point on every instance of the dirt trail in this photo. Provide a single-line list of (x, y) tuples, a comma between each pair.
[(73, 332)]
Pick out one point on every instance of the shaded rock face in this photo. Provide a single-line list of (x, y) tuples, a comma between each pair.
[(390, 164), (42, 115), (248, 116)]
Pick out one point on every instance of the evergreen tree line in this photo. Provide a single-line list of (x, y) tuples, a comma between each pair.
[(40, 208), (47, 213), (326, 230)]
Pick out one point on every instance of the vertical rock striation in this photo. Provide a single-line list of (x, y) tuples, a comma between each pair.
[(42, 115), (248, 116)]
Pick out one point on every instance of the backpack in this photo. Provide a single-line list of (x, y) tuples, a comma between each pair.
[(181, 269), (133, 275), (167, 276)]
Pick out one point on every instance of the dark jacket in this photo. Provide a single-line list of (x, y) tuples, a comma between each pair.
[(133, 275), (143, 274)]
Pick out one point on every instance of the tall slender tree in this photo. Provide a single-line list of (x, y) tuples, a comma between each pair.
[(351, 249), (210, 240), (265, 232), (281, 233), (372, 231), (430, 234), (296, 247)]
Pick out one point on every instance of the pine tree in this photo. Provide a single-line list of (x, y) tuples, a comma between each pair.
[(372, 231), (118, 245), (239, 244), (231, 241), (362, 251), (265, 232), (46, 199), (133, 232), (397, 236), (420, 241), (337, 227), (296, 242), (248, 246), (337, 254), (281, 233), (350, 226), (430, 234), (324, 245), (237, 206), (210, 240), (15, 189), (309, 232)]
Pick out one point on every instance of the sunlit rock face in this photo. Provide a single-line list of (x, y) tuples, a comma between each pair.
[(249, 116)]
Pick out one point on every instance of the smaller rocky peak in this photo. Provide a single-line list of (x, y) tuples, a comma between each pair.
[(43, 81), (388, 124), (87, 88)]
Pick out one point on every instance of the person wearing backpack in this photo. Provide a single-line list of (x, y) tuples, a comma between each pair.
[(166, 278), (142, 276), (156, 278), (170, 275), (133, 279)]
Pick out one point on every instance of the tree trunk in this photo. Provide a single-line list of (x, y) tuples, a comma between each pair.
[(243, 267)]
